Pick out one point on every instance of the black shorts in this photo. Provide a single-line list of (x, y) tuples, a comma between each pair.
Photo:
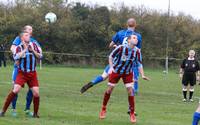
[(189, 79)]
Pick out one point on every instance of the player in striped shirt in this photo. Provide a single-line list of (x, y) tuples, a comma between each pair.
[(118, 39), (29, 96), (25, 55), (121, 61)]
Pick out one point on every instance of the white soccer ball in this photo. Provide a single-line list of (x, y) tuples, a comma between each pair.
[(50, 17)]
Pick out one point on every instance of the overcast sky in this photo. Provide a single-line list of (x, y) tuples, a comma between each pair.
[(191, 7)]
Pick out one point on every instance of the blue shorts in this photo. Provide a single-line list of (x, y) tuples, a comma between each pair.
[(15, 72), (107, 69)]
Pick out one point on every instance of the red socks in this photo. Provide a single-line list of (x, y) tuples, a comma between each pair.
[(36, 103), (131, 101), (105, 100), (9, 98)]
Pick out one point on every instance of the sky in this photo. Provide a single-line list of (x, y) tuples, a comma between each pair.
[(191, 7)]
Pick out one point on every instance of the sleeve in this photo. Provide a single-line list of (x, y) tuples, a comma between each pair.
[(16, 53), (115, 38), (116, 51), (16, 41), (139, 45), (139, 56), (37, 49), (183, 64), (36, 42)]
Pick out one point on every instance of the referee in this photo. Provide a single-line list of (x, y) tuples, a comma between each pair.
[(188, 70)]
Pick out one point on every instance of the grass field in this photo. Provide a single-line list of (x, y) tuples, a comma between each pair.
[(158, 103)]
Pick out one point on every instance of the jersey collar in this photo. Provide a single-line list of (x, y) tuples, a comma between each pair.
[(131, 29), (190, 58)]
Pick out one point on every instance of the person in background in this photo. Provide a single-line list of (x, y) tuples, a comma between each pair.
[(2, 55)]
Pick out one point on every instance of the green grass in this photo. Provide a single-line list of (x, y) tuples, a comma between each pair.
[(158, 103)]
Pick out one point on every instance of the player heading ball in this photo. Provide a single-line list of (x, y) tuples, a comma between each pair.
[(121, 61)]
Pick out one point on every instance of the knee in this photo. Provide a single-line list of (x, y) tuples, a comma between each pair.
[(16, 89), (104, 76), (130, 91), (36, 93), (191, 89), (109, 91)]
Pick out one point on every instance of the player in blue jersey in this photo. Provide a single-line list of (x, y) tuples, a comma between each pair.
[(121, 61), (29, 96), (196, 116), (118, 39)]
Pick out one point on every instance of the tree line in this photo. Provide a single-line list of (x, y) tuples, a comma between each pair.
[(85, 29)]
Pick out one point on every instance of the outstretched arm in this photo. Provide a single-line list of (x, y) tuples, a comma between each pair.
[(141, 71), (37, 51), (20, 53)]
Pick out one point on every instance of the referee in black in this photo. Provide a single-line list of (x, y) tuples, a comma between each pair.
[(188, 71)]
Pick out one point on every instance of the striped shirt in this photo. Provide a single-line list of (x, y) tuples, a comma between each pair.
[(28, 61), (124, 58)]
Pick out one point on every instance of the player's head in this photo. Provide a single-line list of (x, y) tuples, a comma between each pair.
[(28, 29), (25, 37), (131, 22), (191, 53), (132, 40)]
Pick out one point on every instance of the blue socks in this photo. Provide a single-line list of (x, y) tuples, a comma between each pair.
[(14, 101), (97, 80), (29, 98), (196, 118)]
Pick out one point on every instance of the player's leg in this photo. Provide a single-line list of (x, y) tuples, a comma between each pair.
[(184, 87), (192, 83), (128, 81), (14, 101), (36, 101), (113, 80), (136, 78), (96, 80), (29, 98), (106, 98), (9, 98), (196, 116), (34, 86), (19, 82)]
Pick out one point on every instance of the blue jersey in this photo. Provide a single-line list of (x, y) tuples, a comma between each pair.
[(124, 58), (17, 41), (121, 37)]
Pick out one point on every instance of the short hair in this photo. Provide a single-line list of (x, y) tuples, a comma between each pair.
[(25, 27), (131, 22), (129, 37), (22, 33), (192, 51)]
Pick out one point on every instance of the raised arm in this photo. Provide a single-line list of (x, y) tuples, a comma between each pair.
[(37, 51), (20, 53), (140, 66)]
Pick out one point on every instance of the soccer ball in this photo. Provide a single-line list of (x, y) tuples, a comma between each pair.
[(50, 17)]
